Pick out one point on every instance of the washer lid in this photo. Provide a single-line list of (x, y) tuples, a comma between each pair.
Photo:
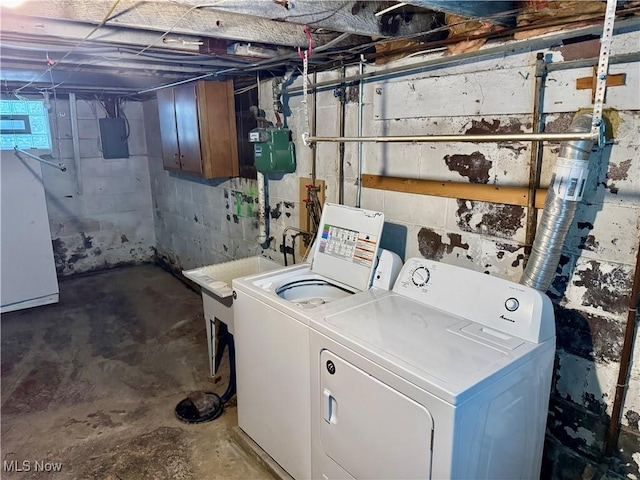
[(347, 244)]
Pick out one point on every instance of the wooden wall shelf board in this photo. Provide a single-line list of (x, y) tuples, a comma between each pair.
[(467, 191), (304, 220)]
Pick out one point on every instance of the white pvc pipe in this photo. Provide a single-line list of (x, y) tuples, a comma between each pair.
[(262, 210)]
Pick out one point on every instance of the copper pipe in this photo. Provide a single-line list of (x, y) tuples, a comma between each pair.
[(625, 360)]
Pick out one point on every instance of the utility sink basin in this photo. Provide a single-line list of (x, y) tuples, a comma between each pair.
[(217, 299)]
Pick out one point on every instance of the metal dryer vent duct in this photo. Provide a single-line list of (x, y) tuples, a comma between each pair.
[(567, 186)]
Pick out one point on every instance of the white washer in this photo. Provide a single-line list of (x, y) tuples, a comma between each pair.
[(272, 329), (447, 376)]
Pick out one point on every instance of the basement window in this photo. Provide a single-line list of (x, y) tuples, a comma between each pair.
[(24, 124)]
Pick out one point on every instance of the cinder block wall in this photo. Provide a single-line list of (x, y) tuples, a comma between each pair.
[(593, 280), (110, 222), (198, 222), (204, 222)]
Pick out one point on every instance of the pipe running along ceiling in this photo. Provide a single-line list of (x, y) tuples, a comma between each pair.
[(127, 46)]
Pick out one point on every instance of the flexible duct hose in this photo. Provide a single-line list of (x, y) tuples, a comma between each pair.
[(567, 186)]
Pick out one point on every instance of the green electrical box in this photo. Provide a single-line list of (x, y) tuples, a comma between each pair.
[(273, 150)]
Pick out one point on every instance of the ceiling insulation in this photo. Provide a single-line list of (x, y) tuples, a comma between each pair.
[(125, 46)]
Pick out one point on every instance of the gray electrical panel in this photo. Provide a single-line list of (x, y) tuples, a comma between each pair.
[(113, 133)]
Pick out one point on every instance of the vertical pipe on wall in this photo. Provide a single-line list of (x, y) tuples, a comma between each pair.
[(73, 111), (360, 107), (314, 157), (625, 362), (263, 221), (340, 93), (536, 150), (263, 230)]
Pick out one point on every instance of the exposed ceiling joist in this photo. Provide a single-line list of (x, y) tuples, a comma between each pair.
[(174, 17), (74, 31), (116, 61), (90, 79), (342, 16)]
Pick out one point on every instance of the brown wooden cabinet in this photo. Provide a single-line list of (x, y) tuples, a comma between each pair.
[(198, 129)]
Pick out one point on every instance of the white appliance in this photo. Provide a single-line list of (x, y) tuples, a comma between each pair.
[(447, 376), (27, 267), (272, 332)]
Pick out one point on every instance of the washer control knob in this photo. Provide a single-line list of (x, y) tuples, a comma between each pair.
[(512, 304)]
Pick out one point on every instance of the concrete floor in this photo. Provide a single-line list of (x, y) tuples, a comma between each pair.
[(91, 383)]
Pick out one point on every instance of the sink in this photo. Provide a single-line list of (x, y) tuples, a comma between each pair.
[(217, 299)]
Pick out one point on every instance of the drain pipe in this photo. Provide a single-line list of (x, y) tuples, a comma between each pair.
[(567, 187), (263, 225)]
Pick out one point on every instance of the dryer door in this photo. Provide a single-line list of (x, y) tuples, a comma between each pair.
[(368, 428)]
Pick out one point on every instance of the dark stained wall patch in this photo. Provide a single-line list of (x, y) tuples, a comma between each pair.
[(495, 126), (617, 172), (475, 166), (588, 336), (59, 254), (431, 245), (489, 218), (276, 212), (605, 288)]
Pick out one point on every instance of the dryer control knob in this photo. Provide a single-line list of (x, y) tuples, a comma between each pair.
[(512, 304), (420, 276)]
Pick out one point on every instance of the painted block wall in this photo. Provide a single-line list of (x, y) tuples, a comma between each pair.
[(594, 278), (110, 222), (198, 222)]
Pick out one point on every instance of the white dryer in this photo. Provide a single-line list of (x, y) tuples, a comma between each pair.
[(272, 329), (445, 377)]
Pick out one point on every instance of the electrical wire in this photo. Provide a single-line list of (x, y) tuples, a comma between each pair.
[(240, 91), (330, 13), (121, 104), (95, 29), (104, 20), (161, 37)]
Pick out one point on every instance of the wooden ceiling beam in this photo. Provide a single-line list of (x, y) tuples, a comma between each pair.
[(74, 32), (113, 61), (342, 16)]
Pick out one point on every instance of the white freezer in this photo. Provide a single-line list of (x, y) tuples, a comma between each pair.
[(27, 268)]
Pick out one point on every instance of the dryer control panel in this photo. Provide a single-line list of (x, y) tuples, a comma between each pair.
[(500, 305)]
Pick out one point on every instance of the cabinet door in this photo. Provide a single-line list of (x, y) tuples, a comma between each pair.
[(168, 131), (216, 104), (187, 123)]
